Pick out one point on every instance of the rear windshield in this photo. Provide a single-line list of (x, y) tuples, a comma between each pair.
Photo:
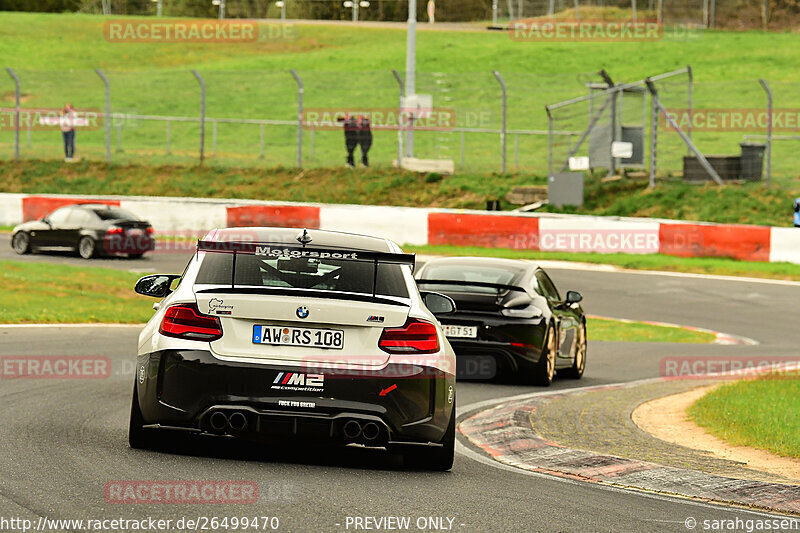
[(302, 273), (115, 213), (481, 274)]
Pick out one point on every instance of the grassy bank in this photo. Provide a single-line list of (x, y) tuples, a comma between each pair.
[(761, 413), (55, 57), (744, 204), (696, 265)]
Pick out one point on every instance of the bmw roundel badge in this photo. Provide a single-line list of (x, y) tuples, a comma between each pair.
[(302, 311)]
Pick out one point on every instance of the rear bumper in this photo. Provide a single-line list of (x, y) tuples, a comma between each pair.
[(473, 358), (184, 388)]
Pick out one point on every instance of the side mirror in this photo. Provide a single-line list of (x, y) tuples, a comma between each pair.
[(438, 304), (156, 285), (573, 297)]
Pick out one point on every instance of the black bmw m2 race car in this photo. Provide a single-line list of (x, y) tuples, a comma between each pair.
[(511, 315), (275, 334)]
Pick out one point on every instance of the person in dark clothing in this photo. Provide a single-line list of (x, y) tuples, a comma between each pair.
[(797, 212), (351, 138), (364, 138)]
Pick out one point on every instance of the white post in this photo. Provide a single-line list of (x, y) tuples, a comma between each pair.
[(159, 7), (411, 67)]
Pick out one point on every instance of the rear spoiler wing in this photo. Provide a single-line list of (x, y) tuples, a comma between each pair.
[(282, 250), (460, 283)]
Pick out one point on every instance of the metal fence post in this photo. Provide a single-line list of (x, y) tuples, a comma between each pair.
[(202, 114), (16, 111), (690, 99), (400, 128), (108, 110), (299, 118), (503, 124), (766, 87), (550, 141), (653, 140)]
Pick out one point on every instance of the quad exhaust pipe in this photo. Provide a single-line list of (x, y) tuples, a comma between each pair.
[(220, 422), (237, 421), (368, 432), (352, 429), (371, 431)]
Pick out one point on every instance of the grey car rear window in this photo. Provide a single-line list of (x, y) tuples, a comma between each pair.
[(302, 273)]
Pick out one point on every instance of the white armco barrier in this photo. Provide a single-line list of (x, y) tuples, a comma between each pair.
[(10, 209), (420, 226), (784, 245), (405, 225), (171, 215)]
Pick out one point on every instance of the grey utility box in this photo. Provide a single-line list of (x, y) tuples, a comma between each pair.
[(565, 188)]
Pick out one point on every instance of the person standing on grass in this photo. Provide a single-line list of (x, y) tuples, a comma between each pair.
[(364, 138), (350, 138), (67, 123), (797, 212)]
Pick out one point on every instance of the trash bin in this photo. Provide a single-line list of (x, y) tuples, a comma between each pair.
[(752, 161)]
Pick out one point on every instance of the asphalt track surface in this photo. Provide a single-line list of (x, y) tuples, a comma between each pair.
[(62, 440)]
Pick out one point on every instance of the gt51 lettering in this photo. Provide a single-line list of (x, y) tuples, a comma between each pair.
[(285, 252)]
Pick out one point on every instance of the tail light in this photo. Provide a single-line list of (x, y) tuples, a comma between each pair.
[(114, 230), (416, 336), (150, 229), (185, 321)]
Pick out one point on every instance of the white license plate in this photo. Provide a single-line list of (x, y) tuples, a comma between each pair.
[(135, 232), (290, 336), (469, 332)]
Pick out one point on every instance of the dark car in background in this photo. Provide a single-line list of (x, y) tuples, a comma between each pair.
[(88, 229), (509, 319)]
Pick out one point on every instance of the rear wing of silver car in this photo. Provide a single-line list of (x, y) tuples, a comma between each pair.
[(300, 253), (462, 283)]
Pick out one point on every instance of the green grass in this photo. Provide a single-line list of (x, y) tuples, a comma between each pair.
[(604, 329), (57, 294), (49, 293), (760, 413), (699, 265), (55, 56)]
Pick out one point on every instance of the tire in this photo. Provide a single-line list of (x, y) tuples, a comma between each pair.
[(135, 256), (138, 437), (545, 369), (438, 459), (86, 247), (579, 363), (21, 242)]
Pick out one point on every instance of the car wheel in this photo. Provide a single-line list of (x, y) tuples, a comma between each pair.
[(21, 243), (545, 369), (135, 256), (138, 436), (86, 247), (579, 363), (440, 459)]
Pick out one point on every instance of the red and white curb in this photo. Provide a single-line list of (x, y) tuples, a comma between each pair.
[(503, 432)]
